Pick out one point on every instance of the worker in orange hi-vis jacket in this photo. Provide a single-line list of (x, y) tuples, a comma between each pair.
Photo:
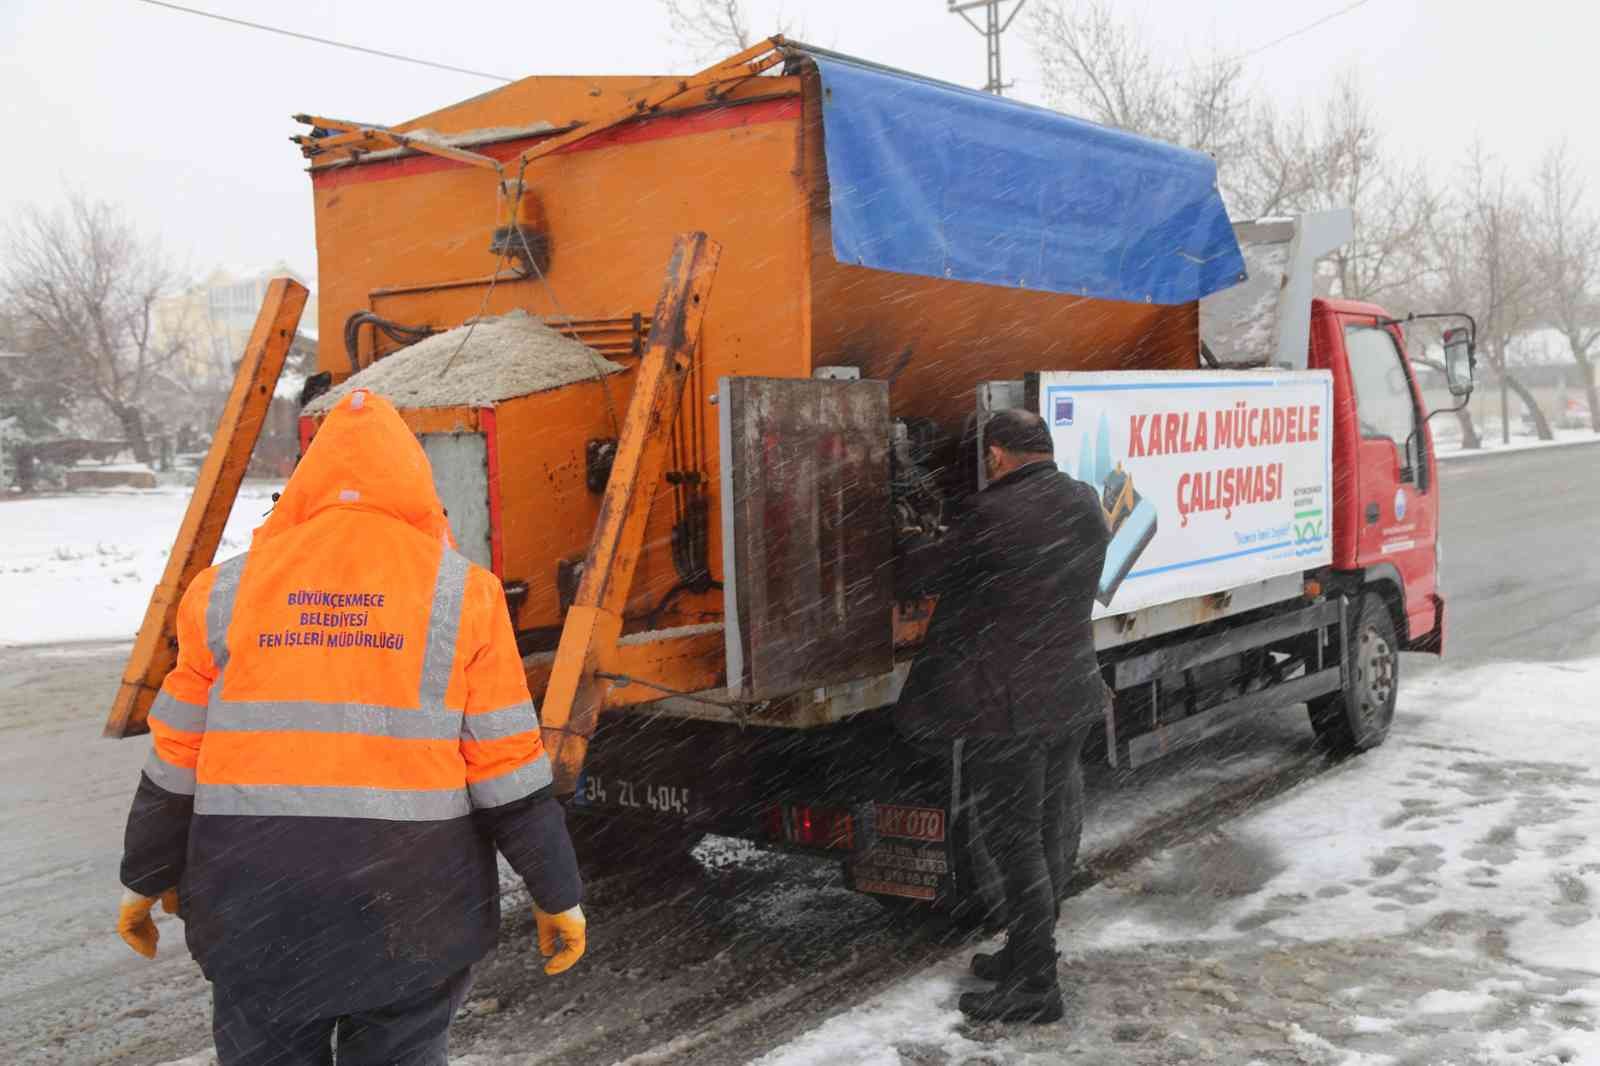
[(346, 739)]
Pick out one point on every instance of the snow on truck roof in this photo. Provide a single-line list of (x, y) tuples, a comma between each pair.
[(505, 356)]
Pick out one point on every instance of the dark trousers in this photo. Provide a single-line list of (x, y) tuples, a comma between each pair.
[(413, 1031), (1023, 791)]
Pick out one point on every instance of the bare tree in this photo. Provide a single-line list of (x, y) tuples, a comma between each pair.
[(1566, 238), (1105, 68), (711, 29), (1343, 162), (1340, 159), (1486, 263), (83, 284), (1094, 64)]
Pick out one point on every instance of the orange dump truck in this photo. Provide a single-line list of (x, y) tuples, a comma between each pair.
[(688, 353)]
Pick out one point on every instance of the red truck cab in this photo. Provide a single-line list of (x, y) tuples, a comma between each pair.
[(1386, 498)]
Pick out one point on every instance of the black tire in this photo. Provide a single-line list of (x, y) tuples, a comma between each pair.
[(1357, 718)]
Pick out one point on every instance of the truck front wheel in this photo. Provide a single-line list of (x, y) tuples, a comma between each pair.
[(1357, 718)]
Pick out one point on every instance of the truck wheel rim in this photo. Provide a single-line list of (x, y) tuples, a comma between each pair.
[(1377, 678)]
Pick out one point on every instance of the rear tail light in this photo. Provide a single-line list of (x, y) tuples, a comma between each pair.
[(811, 827)]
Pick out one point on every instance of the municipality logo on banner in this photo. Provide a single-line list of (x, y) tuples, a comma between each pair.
[(1062, 409)]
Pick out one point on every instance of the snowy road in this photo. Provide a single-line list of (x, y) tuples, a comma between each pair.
[(1521, 556), (70, 991), (756, 949), (736, 952), (1433, 903)]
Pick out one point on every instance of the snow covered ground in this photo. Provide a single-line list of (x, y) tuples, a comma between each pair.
[(1434, 901), (82, 566), (1449, 441)]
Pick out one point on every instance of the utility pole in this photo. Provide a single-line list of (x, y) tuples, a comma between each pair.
[(993, 26)]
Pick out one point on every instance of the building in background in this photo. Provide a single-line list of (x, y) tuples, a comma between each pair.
[(214, 318)]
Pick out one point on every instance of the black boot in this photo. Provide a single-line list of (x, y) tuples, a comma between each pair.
[(996, 966), (1015, 1002), (993, 967)]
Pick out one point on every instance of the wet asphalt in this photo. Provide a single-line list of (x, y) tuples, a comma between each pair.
[(1521, 559)]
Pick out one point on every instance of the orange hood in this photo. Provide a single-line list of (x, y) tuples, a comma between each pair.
[(363, 458)]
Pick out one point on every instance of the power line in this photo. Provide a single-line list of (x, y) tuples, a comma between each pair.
[(324, 40), (1303, 29)]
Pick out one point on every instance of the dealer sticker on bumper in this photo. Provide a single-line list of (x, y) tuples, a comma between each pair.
[(913, 863)]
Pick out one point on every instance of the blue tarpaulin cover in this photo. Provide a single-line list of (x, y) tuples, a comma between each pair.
[(933, 179)]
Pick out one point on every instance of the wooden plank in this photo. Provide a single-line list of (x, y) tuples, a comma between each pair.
[(808, 565), (589, 635), (155, 650), (684, 659)]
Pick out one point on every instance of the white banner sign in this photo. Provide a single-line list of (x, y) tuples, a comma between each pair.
[(1209, 479)]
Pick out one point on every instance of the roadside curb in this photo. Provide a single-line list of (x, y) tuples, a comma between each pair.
[(1517, 449)]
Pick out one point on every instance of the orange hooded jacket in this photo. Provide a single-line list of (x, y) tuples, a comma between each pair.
[(349, 719)]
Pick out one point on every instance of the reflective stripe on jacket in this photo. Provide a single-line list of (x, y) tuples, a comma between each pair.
[(346, 736), (457, 743)]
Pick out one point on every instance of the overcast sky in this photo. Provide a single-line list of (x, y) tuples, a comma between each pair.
[(183, 121)]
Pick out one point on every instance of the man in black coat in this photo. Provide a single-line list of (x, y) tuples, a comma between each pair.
[(1008, 667)]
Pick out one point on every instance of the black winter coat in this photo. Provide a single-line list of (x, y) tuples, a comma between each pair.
[(1010, 650)]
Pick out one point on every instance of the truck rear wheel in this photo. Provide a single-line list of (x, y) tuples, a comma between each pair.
[(1357, 718)]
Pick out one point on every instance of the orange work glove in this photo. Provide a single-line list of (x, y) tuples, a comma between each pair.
[(570, 927), (134, 923)]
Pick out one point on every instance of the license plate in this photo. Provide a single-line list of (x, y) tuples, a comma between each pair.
[(597, 790)]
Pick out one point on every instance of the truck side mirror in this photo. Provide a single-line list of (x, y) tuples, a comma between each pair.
[(1459, 360)]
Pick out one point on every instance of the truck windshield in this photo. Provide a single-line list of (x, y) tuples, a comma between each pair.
[(1384, 403)]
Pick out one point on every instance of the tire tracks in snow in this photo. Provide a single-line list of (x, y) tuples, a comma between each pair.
[(663, 1012)]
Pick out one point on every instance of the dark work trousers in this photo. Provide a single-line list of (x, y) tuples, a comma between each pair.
[(413, 1031), (1023, 791)]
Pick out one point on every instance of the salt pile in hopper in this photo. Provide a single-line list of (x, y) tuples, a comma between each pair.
[(506, 356)]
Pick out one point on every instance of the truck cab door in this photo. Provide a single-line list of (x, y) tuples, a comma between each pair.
[(1396, 491)]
